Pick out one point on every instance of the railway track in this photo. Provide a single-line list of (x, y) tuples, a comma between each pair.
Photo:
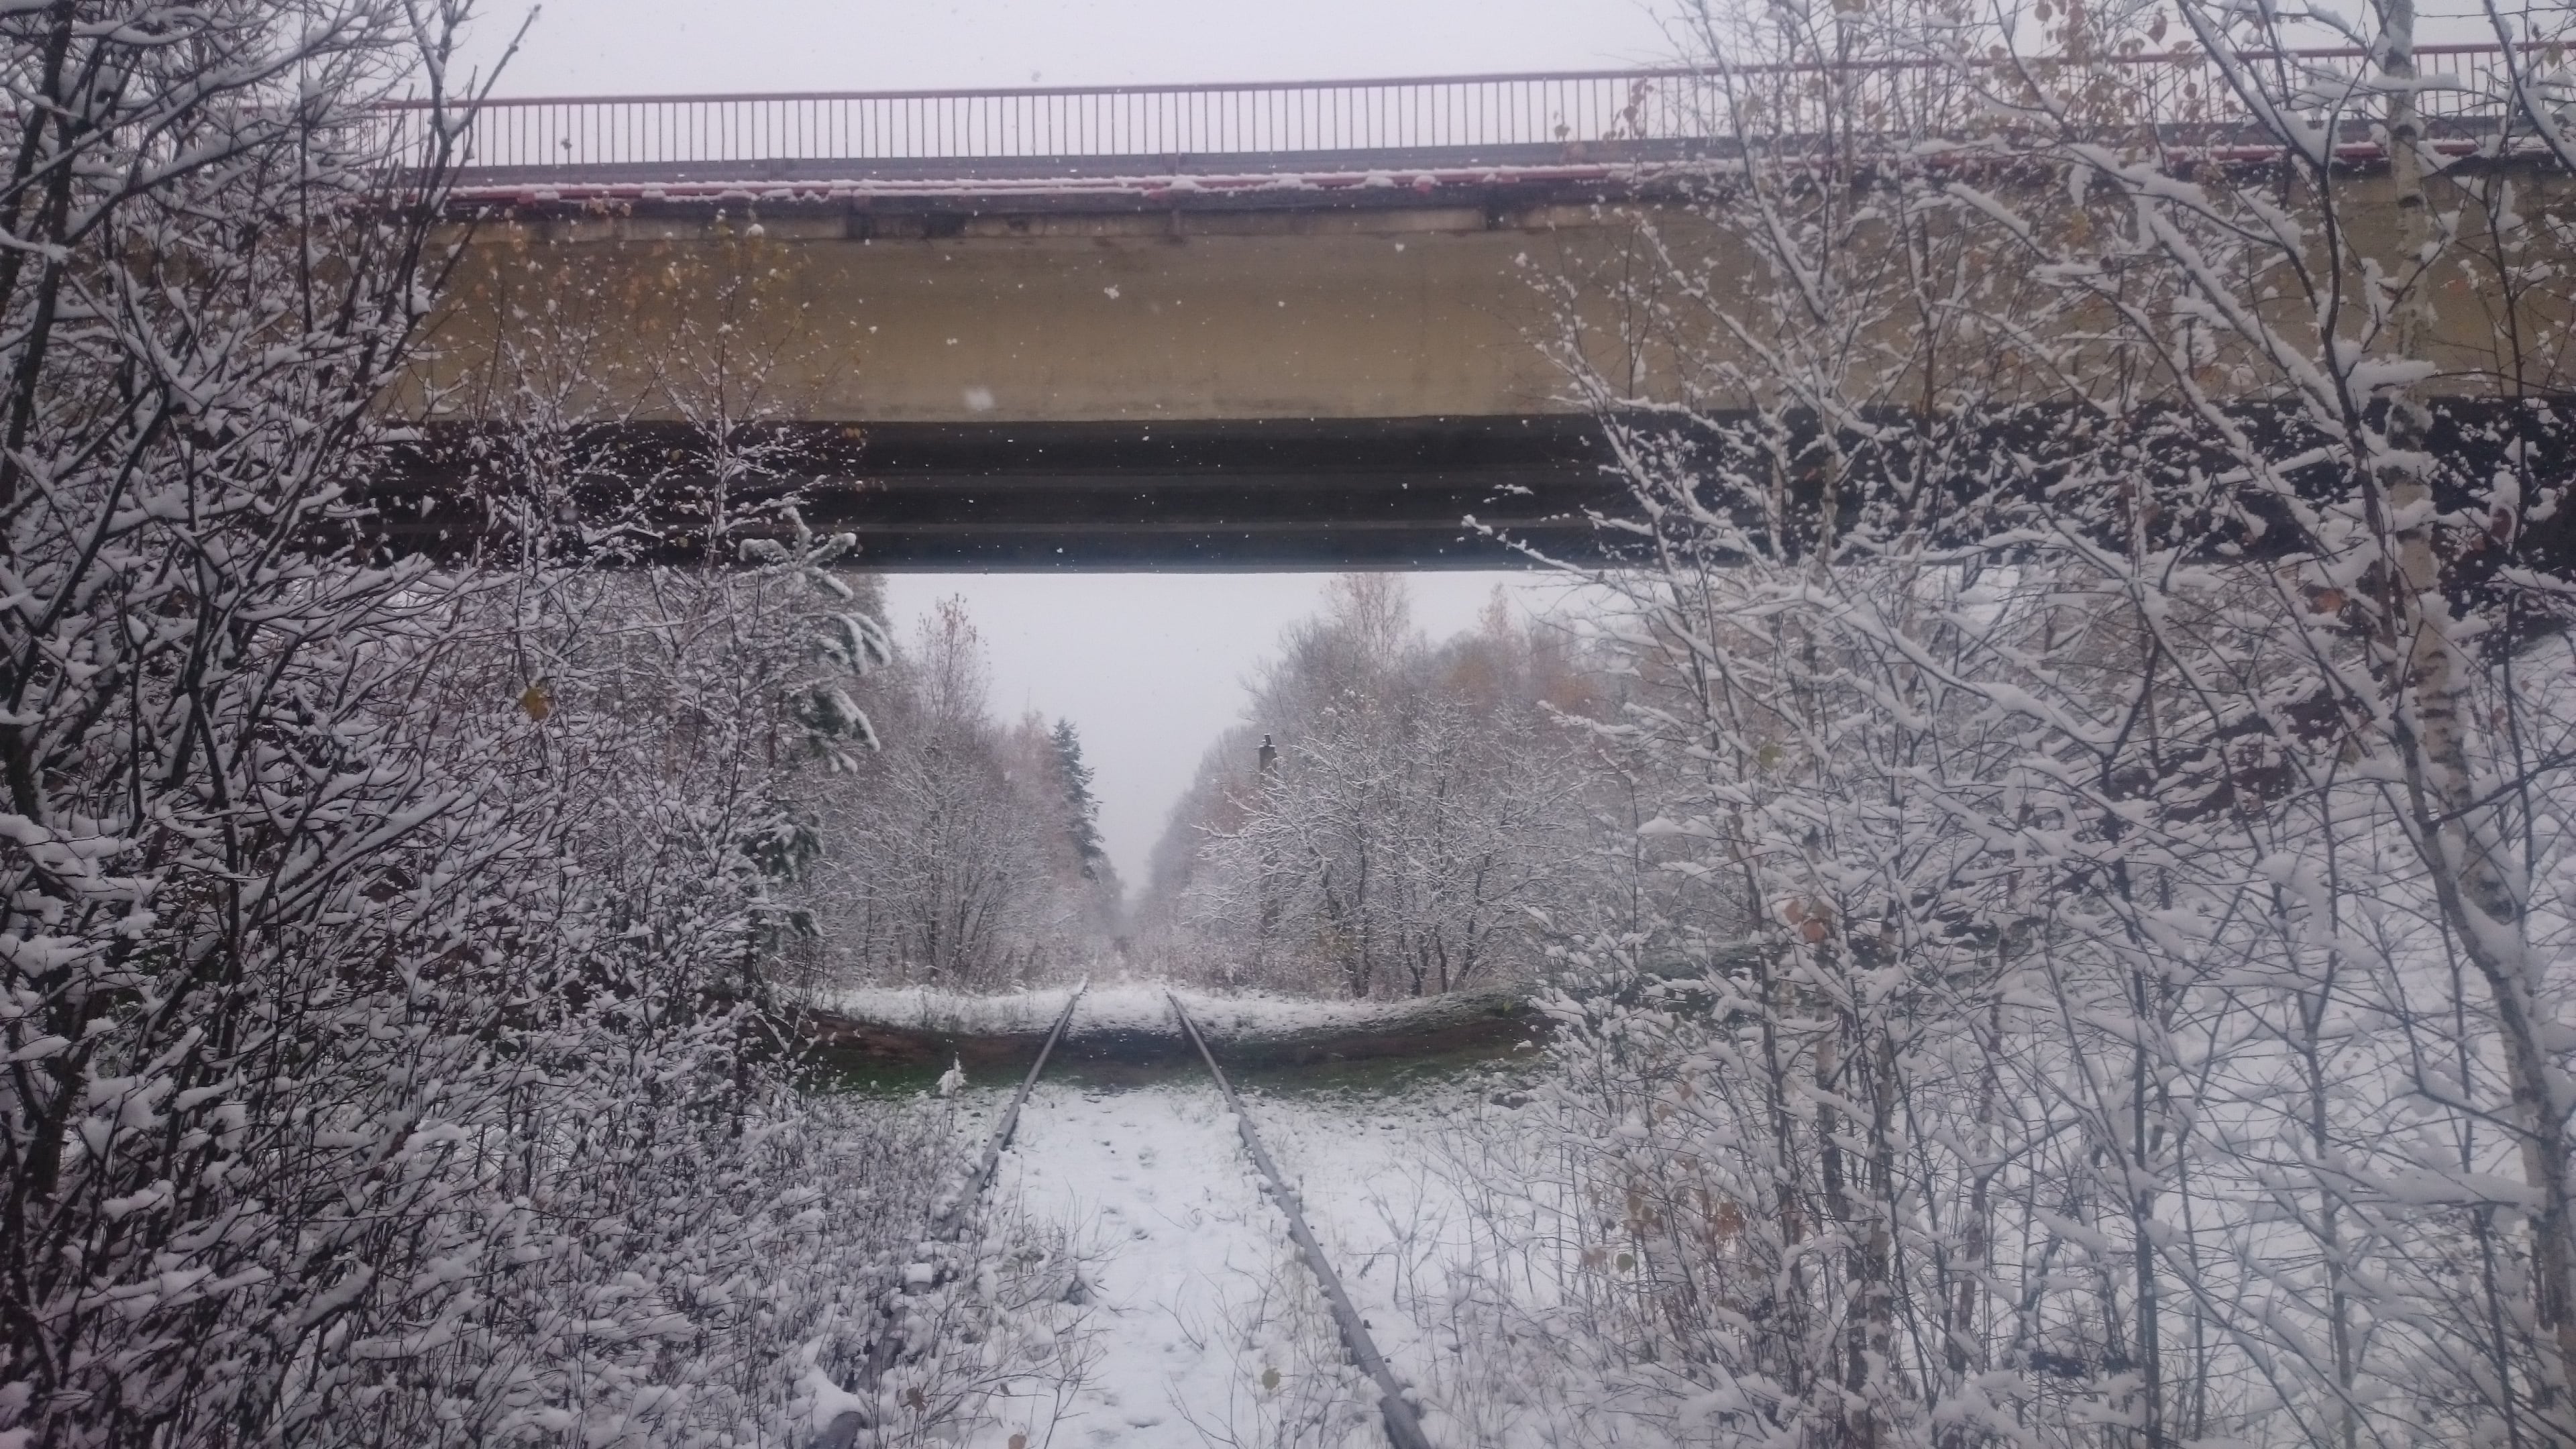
[(1403, 1423), (1397, 1413)]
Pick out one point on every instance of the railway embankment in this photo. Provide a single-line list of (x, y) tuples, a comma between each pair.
[(1126, 1033)]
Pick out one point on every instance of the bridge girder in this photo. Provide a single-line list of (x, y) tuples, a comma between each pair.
[(1272, 494), (1350, 493)]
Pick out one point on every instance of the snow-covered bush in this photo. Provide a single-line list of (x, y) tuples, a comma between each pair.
[(385, 946)]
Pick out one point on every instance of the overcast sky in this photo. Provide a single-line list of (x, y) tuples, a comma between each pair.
[(1149, 667), (595, 47)]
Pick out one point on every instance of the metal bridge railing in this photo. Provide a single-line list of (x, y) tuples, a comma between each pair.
[(569, 135)]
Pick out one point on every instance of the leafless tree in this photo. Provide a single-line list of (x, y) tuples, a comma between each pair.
[(2095, 613), (1412, 820), (952, 858)]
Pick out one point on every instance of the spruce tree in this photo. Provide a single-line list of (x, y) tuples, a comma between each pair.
[(1082, 811)]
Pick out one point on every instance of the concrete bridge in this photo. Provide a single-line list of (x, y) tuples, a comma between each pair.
[(1195, 326)]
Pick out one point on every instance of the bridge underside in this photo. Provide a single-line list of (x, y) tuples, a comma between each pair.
[(1272, 494), (1181, 495)]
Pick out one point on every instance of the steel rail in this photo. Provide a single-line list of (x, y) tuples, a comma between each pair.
[(1009, 1126), (1403, 1422), (843, 1431)]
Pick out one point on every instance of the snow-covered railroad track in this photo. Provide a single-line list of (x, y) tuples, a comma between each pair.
[(1403, 1426), (1218, 1314), (1009, 1125)]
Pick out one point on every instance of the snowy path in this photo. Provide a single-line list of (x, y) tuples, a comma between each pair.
[(1206, 1329)]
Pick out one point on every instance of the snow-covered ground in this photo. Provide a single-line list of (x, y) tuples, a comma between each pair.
[(1426, 1207), (1199, 1324), (1204, 1327)]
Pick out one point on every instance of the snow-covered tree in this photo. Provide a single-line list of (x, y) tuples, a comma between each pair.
[(386, 1052), (954, 856), (1082, 809), (2093, 615), (1409, 815)]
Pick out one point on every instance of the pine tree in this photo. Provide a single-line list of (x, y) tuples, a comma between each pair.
[(1082, 811)]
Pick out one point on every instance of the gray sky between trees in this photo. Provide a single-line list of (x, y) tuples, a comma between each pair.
[(1151, 667), (1148, 667)]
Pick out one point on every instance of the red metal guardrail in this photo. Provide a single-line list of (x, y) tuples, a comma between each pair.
[(568, 135)]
